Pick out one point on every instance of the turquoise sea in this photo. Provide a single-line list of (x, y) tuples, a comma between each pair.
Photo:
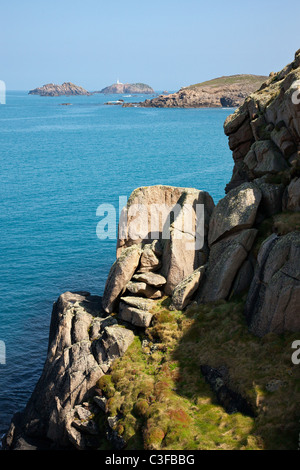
[(58, 164)]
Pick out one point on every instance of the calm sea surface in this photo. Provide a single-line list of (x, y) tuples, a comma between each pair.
[(58, 164)]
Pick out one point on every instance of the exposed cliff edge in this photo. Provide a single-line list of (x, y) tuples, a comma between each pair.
[(66, 89), (121, 88), (224, 92), (190, 346)]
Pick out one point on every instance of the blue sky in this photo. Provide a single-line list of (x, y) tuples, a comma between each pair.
[(167, 44)]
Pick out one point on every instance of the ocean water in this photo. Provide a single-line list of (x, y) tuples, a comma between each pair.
[(58, 164)]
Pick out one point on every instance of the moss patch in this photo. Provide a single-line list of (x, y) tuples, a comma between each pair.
[(164, 403)]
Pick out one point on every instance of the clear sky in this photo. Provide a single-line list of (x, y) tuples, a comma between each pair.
[(165, 43)]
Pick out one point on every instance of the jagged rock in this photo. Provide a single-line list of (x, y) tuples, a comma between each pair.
[(291, 201), (113, 344), (120, 274), (141, 288), (135, 316), (264, 157), (152, 279), (82, 412), (272, 195), (149, 259), (186, 288), (99, 324), (86, 427), (273, 300), (139, 302), (274, 119), (235, 212), (71, 371), (225, 259)]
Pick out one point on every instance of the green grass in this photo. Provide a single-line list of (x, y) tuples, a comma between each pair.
[(255, 80), (164, 402)]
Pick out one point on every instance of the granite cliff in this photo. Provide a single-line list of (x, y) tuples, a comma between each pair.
[(190, 348), (224, 92), (67, 89)]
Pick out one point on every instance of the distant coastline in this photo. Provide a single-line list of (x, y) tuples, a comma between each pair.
[(223, 92)]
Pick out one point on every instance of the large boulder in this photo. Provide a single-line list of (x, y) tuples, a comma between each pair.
[(291, 201), (135, 316), (74, 363), (143, 289), (150, 258), (265, 158), (225, 259), (120, 274), (235, 212), (152, 279), (179, 218), (274, 296), (184, 291)]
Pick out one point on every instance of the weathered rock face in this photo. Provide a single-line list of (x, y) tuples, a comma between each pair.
[(274, 296), (83, 343), (272, 196), (235, 212), (264, 133), (225, 259), (173, 216), (66, 88), (221, 92), (186, 288), (120, 274)]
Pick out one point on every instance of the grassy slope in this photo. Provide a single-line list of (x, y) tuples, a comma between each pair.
[(254, 80)]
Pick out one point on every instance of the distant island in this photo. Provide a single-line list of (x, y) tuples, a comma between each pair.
[(66, 89), (224, 92), (121, 88)]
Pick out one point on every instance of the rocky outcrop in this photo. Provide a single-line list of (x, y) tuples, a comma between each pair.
[(169, 215), (66, 88), (226, 92), (83, 343), (235, 212), (274, 296), (133, 88), (225, 259), (264, 133)]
